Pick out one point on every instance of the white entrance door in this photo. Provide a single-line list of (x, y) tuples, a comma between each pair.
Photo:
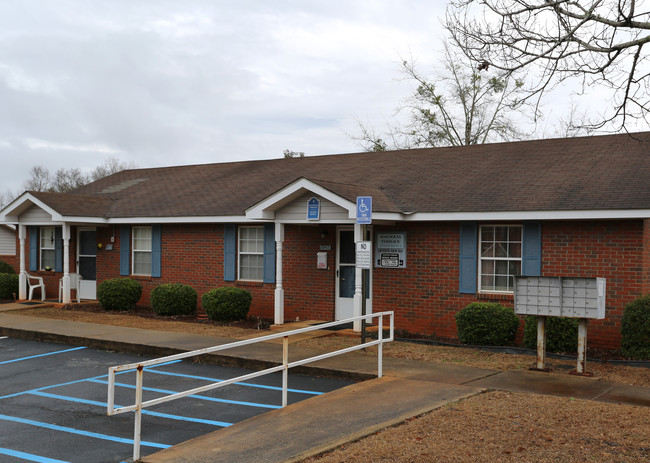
[(87, 263), (345, 273)]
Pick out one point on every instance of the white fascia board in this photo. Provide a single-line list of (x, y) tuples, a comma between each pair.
[(528, 215), (189, 219), (262, 210)]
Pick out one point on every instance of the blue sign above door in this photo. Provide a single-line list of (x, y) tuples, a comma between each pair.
[(313, 209)]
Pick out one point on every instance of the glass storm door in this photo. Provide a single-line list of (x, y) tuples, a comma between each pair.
[(87, 263), (346, 276)]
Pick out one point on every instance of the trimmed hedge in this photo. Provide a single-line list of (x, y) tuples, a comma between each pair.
[(119, 293), (561, 334), (6, 268), (174, 299), (635, 329), (8, 286), (486, 324), (227, 303)]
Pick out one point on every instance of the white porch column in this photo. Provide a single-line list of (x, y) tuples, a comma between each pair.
[(22, 278), (358, 280), (66, 263), (279, 290)]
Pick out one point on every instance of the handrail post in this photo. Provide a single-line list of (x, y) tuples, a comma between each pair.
[(380, 346), (285, 371), (138, 413)]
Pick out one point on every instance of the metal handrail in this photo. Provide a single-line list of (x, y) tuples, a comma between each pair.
[(284, 367)]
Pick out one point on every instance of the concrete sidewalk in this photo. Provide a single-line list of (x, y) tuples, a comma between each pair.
[(408, 388)]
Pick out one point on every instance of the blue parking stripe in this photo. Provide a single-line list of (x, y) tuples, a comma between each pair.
[(200, 397), (222, 424), (41, 355), (29, 456), (215, 380), (95, 435)]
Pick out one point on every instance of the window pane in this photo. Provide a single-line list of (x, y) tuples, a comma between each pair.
[(142, 263), (47, 237), (487, 282), (142, 238), (487, 234), (501, 250), (251, 267), (500, 233), (501, 267), (47, 258), (514, 268), (515, 233), (487, 249), (514, 250), (501, 283)]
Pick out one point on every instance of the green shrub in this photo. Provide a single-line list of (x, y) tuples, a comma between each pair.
[(174, 299), (6, 268), (119, 293), (486, 324), (561, 334), (8, 286), (227, 303), (635, 329)]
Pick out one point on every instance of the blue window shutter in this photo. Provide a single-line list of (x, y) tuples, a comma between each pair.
[(269, 253), (156, 250), (531, 256), (468, 257), (33, 249), (229, 252), (125, 250), (58, 249)]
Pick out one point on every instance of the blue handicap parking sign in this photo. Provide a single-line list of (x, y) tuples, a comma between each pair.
[(364, 209)]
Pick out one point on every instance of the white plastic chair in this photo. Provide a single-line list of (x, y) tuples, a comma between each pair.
[(75, 279), (38, 283)]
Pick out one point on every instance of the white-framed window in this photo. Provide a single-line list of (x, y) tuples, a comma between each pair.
[(47, 247), (141, 251), (500, 257), (250, 252)]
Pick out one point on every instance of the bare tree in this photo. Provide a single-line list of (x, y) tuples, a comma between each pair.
[(111, 166), (293, 154), (458, 105), (595, 41), (39, 179), (67, 180)]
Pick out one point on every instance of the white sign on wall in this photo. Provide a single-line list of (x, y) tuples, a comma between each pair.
[(390, 250), (364, 254)]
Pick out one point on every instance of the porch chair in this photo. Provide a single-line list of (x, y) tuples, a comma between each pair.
[(75, 283), (37, 283)]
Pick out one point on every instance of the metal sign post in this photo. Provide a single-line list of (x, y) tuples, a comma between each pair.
[(364, 253)]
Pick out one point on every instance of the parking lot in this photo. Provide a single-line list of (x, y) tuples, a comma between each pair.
[(53, 402)]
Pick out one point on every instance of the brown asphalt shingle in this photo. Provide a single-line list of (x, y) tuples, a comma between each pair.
[(587, 173)]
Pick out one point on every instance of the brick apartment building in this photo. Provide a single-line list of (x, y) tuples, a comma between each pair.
[(450, 226)]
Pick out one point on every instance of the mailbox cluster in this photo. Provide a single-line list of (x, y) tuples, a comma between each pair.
[(560, 297)]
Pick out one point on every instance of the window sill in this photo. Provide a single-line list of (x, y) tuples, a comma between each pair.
[(258, 284), (142, 277), (495, 296)]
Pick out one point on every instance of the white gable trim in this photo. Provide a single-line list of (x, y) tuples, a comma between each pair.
[(11, 213), (266, 208)]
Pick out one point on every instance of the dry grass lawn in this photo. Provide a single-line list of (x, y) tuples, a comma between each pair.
[(491, 427)]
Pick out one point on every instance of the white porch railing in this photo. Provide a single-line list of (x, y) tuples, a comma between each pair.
[(284, 368)]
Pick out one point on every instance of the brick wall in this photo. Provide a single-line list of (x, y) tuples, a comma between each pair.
[(424, 295)]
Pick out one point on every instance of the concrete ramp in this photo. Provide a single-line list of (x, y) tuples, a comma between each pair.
[(317, 424)]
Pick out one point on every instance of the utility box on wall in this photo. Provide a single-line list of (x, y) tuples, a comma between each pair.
[(560, 297)]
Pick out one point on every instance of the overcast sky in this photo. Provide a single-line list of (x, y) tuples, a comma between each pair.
[(169, 82)]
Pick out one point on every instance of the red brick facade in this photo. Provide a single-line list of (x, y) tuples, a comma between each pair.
[(424, 295)]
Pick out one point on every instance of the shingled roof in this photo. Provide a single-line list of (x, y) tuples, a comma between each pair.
[(587, 173)]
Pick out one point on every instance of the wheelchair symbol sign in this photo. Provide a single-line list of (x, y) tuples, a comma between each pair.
[(364, 209)]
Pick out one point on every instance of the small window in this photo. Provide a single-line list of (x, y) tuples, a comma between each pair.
[(47, 247), (142, 251), (500, 257), (251, 253)]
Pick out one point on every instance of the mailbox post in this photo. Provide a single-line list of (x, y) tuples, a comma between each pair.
[(581, 298)]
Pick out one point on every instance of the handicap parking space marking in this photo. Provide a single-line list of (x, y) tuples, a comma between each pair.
[(41, 355), (28, 456), (216, 380), (80, 432), (221, 424)]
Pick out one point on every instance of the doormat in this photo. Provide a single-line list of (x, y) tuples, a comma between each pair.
[(30, 303)]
